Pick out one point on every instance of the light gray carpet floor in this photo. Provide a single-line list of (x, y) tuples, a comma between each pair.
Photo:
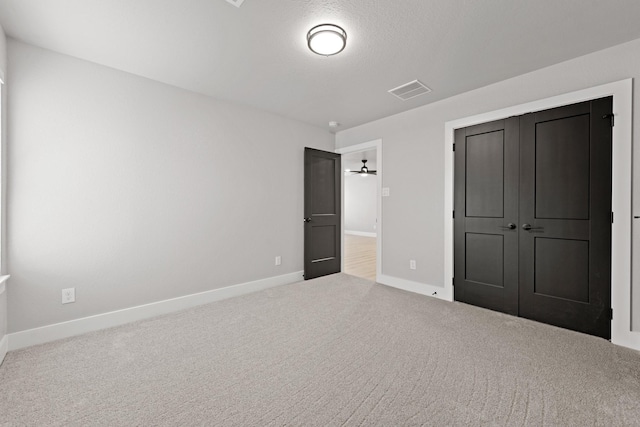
[(332, 351)]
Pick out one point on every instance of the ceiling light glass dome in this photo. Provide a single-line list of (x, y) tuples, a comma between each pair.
[(326, 39)]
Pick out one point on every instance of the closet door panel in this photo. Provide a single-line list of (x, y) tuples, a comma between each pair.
[(565, 216), (486, 203)]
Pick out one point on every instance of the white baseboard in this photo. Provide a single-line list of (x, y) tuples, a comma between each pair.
[(4, 347), (360, 233), (416, 287), (71, 328), (630, 340)]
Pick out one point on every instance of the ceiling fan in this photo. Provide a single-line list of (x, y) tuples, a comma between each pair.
[(364, 169)]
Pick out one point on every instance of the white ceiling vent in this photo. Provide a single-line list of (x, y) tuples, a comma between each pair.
[(410, 90), (236, 3)]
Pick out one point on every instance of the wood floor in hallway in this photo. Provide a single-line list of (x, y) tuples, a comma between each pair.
[(360, 256)]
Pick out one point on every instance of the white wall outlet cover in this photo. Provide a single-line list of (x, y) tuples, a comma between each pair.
[(385, 192), (412, 264), (278, 260), (68, 295)]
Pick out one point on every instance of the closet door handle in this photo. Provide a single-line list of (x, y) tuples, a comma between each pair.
[(510, 226), (528, 227)]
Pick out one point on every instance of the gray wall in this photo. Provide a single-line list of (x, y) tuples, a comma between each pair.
[(133, 191), (3, 52), (360, 203), (414, 141), (3, 67)]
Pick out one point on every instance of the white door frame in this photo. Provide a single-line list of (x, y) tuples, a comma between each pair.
[(622, 92), (377, 144)]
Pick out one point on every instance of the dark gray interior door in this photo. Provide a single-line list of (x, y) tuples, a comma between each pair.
[(549, 173), (322, 212), (486, 215), (565, 217)]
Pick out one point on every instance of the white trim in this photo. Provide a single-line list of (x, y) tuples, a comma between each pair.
[(236, 3), (360, 233), (377, 144), (622, 92), (1, 76), (415, 287), (4, 347), (71, 328), (2, 284)]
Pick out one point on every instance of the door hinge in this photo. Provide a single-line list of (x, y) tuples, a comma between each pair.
[(454, 146), (611, 314), (453, 281), (611, 217), (611, 117), (453, 214)]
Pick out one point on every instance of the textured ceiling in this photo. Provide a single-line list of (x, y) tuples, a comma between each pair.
[(256, 55)]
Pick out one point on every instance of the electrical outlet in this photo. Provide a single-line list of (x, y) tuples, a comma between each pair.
[(412, 264), (386, 192), (68, 295), (278, 260)]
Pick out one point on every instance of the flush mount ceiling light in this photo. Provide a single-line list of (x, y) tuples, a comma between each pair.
[(326, 39)]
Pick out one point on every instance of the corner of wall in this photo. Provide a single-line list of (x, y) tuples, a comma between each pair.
[(3, 53), (4, 339)]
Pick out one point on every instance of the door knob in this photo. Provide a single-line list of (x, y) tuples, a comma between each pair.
[(528, 227), (307, 220), (510, 226)]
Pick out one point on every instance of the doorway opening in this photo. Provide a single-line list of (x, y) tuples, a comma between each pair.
[(361, 215)]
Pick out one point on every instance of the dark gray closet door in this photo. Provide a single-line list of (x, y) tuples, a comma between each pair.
[(550, 173), (565, 217), (322, 212), (486, 215)]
